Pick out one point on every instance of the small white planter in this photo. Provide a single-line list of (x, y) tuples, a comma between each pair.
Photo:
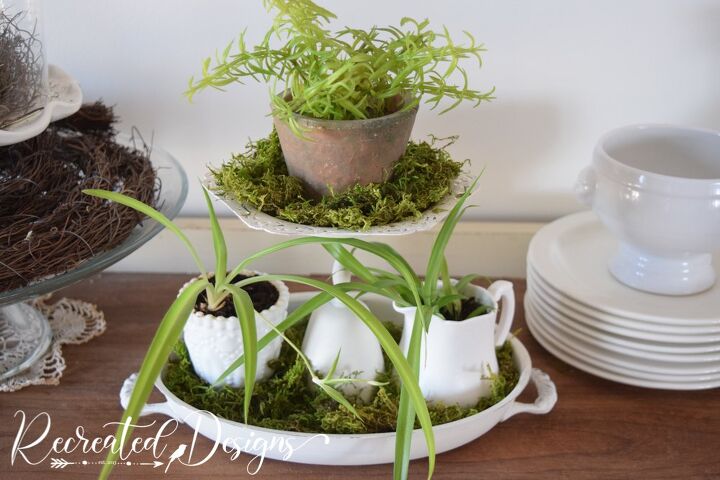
[(215, 342), (457, 358), (334, 328)]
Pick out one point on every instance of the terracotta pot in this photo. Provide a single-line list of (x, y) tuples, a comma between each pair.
[(338, 154)]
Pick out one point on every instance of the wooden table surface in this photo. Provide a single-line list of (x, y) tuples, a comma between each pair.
[(598, 429)]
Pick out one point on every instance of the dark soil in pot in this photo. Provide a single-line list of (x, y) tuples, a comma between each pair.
[(468, 306), (263, 295)]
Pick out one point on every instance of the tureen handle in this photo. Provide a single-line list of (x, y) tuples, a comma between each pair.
[(585, 186), (545, 401), (126, 392)]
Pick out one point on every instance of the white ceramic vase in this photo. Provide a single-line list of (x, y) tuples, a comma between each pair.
[(334, 328), (457, 358), (215, 342)]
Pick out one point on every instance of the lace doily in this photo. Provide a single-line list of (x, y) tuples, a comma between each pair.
[(73, 322), (257, 220)]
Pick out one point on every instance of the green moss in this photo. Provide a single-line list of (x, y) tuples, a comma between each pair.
[(420, 179), (287, 400)]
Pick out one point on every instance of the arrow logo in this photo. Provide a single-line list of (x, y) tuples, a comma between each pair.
[(60, 463)]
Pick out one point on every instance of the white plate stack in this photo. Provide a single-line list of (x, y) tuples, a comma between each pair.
[(582, 315)]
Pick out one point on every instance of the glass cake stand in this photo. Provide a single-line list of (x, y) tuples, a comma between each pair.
[(25, 334)]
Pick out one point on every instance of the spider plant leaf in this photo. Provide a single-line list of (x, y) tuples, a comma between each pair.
[(246, 315), (152, 213), (166, 336), (447, 285), (338, 397), (377, 288), (382, 251), (481, 310), (348, 260), (449, 290), (333, 367), (218, 243), (406, 410), (445, 300), (462, 284), (437, 254), (408, 374), (293, 317)]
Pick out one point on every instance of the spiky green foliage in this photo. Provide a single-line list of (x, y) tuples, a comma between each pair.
[(347, 74), (288, 401), (421, 178)]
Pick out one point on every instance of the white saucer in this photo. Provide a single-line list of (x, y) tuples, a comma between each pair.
[(572, 253), (579, 361), (64, 99), (623, 362), (585, 334), (647, 335), (638, 329)]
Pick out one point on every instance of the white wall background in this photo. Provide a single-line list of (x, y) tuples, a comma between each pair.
[(565, 71)]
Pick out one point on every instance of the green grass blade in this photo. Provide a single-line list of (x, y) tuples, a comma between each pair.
[(348, 260), (246, 315), (406, 410), (218, 243), (337, 396), (465, 281), (437, 254), (152, 213), (446, 300), (164, 341)]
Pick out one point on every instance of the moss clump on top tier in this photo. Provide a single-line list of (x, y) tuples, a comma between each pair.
[(419, 180), (287, 401)]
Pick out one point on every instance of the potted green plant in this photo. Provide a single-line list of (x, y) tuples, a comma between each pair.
[(455, 358), (429, 300), (344, 102), (425, 303), (219, 288), (213, 333)]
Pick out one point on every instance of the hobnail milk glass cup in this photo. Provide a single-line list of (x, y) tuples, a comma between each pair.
[(657, 189)]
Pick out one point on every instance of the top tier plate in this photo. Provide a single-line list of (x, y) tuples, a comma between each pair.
[(64, 99), (571, 255), (258, 220)]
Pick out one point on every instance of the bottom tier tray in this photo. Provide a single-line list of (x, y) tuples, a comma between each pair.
[(354, 449)]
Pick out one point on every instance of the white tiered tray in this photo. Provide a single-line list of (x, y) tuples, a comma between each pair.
[(258, 220), (64, 99), (355, 449)]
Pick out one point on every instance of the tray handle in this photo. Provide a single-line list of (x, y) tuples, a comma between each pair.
[(149, 408), (545, 401)]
